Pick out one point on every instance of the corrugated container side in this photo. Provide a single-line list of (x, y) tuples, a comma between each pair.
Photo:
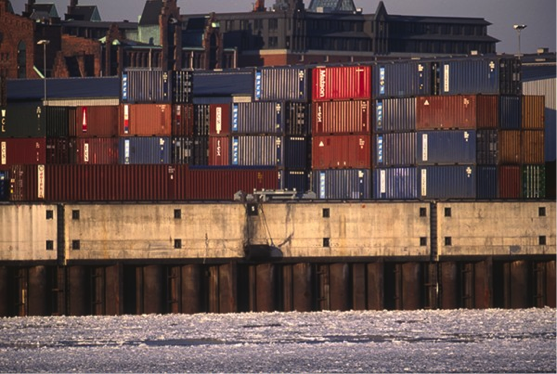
[(509, 182), (200, 151), (257, 151), (395, 149), (470, 76), (207, 183), (487, 182), (341, 151), (510, 108), (510, 76), (220, 119), (101, 121), (348, 184), (224, 83), (446, 147), (446, 112), (58, 120), (395, 183), (146, 86), (182, 119), (26, 151), (98, 151), (447, 182), (341, 83), (258, 118), (144, 150), (533, 182), (341, 117), (182, 148), (182, 86), (487, 147), (59, 151), (487, 111), (295, 152), (24, 182), (23, 121), (395, 115), (63, 88), (401, 79), (202, 119), (533, 112), (509, 147), (146, 120), (294, 180), (548, 88), (219, 150), (297, 119), (532, 147), (282, 84)]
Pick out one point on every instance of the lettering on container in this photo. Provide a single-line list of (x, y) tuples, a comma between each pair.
[(235, 117), (278, 117), (322, 190), (4, 154), (383, 182), (322, 82), (468, 172), (40, 182), (362, 143), (446, 77), (219, 154), (258, 85), (126, 119), (124, 86), (86, 152), (382, 80), (364, 115), (425, 150), (3, 120), (218, 120), (380, 149), (302, 80), (235, 151), (84, 121), (127, 151), (424, 182), (379, 114), (466, 136)]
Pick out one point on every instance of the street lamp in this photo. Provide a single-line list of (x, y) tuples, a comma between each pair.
[(518, 29), (44, 43)]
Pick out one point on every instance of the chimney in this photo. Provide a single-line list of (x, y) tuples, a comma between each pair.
[(259, 6), (71, 7), (29, 8)]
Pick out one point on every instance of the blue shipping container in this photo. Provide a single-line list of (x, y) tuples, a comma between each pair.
[(282, 84), (144, 150), (63, 88), (447, 182), (446, 147), (224, 83), (510, 112), (258, 118), (395, 115), (146, 86), (487, 147), (395, 149), (469, 76), (401, 79), (294, 180), (395, 183), (487, 179), (257, 151), (4, 188), (342, 184), (296, 152)]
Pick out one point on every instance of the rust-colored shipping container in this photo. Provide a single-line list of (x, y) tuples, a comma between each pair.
[(145, 120), (509, 182), (509, 147), (341, 117), (487, 111), (58, 150), (533, 112), (341, 83), (99, 151), (219, 151), (27, 183), (182, 120), (532, 147), (446, 112), (26, 151), (219, 119), (341, 152), (90, 121)]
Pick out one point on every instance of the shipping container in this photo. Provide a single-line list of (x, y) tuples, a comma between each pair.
[(532, 144), (447, 182), (144, 150), (545, 85), (291, 180), (224, 82), (509, 182), (146, 120), (341, 83), (97, 151), (533, 112), (487, 179), (202, 119), (200, 151), (341, 151), (258, 118), (510, 76), (146, 86), (282, 84), (63, 88), (395, 115), (487, 147), (509, 147), (446, 112), (348, 184), (23, 121), (341, 117), (91, 121), (510, 112), (487, 111), (446, 147), (219, 150), (27, 182), (297, 118), (219, 115), (58, 120), (182, 86), (533, 182), (182, 150), (3, 96), (401, 79), (26, 151), (4, 185), (296, 152), (399, 183), (182, 119), (395, 149), (59, 151), (257, 150)]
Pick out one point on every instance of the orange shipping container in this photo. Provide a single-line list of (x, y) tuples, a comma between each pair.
[(446, 112), (487, 111), (145, 120), (532, 147), (341, 117), (533, 112), (509, 147)]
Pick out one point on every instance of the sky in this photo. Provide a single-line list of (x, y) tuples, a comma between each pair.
[(538, 15)]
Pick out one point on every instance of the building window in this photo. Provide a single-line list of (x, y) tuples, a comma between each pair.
[(326, 243), (326, 213), (423, 212), (76, 245), (177, 243), (50, 245), (542, 240), (448, 212), (49, 214), (273, 42), (541, 211), (22, 60), (423, 241), (75, 214), (448, 241), (177, 213), (273, 24)]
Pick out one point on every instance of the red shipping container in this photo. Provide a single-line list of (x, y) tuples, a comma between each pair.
[(183, 119), (146, 120), (25, 151), (100, 151), (96, 121), (341, 83), (58, 150), (446, 112), (219, 119), (487, 111), (509, 182), (509, 147), (341, 117), (341, 152), (27, 183), (219, 150), (532, 147)]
